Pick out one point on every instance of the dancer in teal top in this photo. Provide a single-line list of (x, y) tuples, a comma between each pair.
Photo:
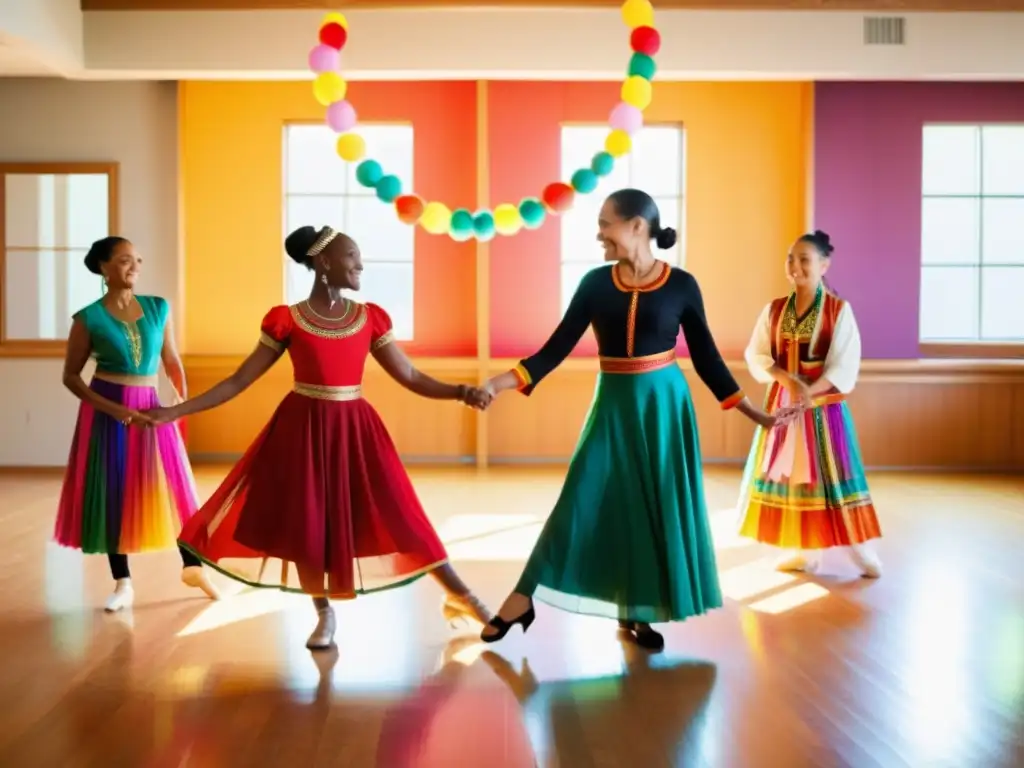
[(629, 535), (128, 486)]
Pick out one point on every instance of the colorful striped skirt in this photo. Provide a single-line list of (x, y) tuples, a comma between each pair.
[(804, 485), (127, 489)]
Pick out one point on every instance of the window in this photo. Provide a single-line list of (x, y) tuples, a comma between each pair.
[(656, 165), (53, 212), (972, 238), (321, 190)]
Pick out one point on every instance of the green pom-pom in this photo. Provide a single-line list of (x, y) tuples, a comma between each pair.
[(368, 173), (483, 225), (584, 181), (461, 227), (532, 212), (602, 164), (388, 188), (642, 65)]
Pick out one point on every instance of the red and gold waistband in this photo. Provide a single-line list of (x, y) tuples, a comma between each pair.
[(637, 364), (324, 392)]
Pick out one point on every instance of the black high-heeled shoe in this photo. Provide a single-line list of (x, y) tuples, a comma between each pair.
[(644, 636), (525, 619)]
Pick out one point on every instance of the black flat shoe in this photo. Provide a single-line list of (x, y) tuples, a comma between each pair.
[(525, 619), (644, 636)]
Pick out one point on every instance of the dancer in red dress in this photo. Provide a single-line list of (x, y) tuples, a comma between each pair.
[(320, 503)]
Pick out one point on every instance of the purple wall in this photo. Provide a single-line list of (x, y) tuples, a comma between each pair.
[(867, 191)]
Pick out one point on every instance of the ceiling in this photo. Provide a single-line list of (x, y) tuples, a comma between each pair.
[(718, 5)]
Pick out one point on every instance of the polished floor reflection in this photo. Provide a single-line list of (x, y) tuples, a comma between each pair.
[(922, 668)]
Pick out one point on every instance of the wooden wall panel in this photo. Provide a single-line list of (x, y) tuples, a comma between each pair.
[(909, 414)]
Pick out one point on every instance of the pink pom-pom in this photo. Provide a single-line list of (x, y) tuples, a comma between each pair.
[(323, 58), (341, 116), (626, 117)]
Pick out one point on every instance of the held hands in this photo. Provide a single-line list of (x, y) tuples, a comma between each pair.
[(801, 390), (479, 398), (162, 415), (131, 418)]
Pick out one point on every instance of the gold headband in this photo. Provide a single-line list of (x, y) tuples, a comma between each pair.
[(325, 238)]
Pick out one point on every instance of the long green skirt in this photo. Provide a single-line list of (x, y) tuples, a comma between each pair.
[(629, 536)]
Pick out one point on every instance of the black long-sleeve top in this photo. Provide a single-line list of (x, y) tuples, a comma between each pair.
[(632, 322)]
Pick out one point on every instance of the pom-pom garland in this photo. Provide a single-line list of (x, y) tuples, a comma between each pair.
[(507, 219)]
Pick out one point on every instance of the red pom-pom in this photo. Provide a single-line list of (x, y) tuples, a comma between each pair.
[(333, 35), (558, 197), (645, 40), (409, 208)]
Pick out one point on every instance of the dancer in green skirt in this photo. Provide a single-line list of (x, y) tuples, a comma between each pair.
[(629, 537)]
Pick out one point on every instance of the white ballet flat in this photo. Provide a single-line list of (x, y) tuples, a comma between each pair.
[(323, 636), (122, 597)]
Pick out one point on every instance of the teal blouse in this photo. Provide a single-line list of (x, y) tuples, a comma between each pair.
[(127, 349)]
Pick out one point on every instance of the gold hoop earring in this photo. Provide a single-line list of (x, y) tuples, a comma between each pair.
[(323, 278)]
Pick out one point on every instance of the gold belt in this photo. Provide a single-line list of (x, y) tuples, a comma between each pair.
[(323, 392), (127, 380), (637, 364)]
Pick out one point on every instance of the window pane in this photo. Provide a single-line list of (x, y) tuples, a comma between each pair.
[(391, 286), (314, 211), (657, 161), (86, 214), (298, 282), (579, 145), (42, 290), (1001, 316), (392, 147), (1003, 231), (950, 161), (1002, 153), (571, 276), (950, 231), (80, 286), (311, 163), (949, 304), (579, 231), (377, 230), (29, 212)]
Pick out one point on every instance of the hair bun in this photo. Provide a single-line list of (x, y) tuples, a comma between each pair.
[(665, 238), (92, 261), (823, 240), (298, 243)]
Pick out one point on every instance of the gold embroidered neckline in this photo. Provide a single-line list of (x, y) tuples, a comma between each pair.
[(654, 285), (801, 327), (350, 322)]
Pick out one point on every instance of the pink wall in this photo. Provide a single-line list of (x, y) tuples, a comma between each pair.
[(867, 182)]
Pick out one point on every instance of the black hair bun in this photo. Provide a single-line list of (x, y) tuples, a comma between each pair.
[(92, 260), (824, 241), (665, 238), (298, 243)]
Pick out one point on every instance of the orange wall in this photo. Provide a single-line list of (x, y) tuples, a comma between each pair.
[(231, 176), (745, 195)]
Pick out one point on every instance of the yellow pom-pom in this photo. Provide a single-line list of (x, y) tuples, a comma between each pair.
[(638, 13), (636, 91), (340, 20), (351, 147), (618, 143), (507, 220), (329, 87), (436, 218)]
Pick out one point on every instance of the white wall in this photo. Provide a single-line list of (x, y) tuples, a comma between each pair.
[(135, 125)]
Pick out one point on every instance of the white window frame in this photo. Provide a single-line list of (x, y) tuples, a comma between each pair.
[(673, 217), (404, 331), (980, 340)]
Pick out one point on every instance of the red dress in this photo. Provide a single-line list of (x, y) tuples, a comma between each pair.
[(320, 503)]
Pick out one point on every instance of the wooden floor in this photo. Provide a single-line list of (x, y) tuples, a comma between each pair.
[(922, 668)]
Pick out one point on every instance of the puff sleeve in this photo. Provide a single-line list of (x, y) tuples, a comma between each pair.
[(842, 362), (758, 354), (276, 328), (381, 332)]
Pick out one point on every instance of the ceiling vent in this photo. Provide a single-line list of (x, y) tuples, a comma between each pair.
[(885, 30)]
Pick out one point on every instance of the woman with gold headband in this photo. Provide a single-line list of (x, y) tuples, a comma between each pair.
[(320, 503), (628, 538)]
